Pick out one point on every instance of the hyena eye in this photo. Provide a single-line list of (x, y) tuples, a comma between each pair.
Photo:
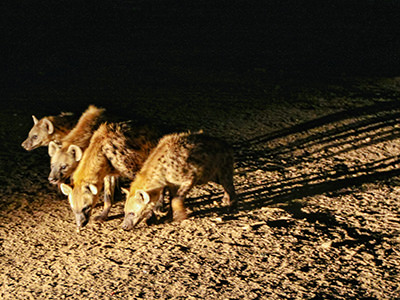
[(34, 137), (63, 167)]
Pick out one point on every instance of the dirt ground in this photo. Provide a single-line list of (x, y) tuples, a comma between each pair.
[(317, 174)]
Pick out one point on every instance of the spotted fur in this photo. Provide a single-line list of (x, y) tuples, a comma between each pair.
[(115, 149), (179, 162), (66, 155)]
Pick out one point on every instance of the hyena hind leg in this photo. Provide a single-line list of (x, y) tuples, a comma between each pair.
[(230, 198)]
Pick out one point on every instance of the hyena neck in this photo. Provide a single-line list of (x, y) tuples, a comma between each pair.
[(140, 183), (80, 135), (49, 138), (61, 129), (93, 167), (146, 183), (57, 136)]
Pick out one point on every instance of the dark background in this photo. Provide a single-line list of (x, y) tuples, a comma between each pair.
[(324, 163), (115, 45)]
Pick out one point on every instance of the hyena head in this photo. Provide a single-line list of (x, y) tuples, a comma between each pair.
[(63, 163), (39, 134), (82, 199), (138, 206)]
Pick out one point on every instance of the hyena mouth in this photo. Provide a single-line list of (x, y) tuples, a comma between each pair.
[(53, 180), (129, 221), (82, 219)]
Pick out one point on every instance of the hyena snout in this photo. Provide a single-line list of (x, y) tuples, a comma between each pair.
[(56, 176), (82, 218), (129, 221), (53, 180), (27, 145)]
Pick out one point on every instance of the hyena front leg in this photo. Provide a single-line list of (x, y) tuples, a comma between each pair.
[(156, 212), (109, 188), (162, 202), (177, 202), (163, 206)]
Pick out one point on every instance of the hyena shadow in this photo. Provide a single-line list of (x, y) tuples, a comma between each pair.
[(327, 154), (324, 155)]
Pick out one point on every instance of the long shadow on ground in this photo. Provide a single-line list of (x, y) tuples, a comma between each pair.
[(307, 160)]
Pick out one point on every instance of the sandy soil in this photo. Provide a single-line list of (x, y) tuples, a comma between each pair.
[(317, 173)]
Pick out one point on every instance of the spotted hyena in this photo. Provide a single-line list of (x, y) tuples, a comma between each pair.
[(66, 155), (115, 149), (179, 162), (47, 129)]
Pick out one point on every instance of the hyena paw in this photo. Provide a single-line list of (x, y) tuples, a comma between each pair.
[(232, 206), (100, 218), (180, 215), (229, 202), (226, 200)]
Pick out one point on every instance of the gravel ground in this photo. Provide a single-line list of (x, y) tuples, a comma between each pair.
[(317, 174)]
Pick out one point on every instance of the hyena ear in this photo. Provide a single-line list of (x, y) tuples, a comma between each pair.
[(49, 126), (52, 148), (125, 191), (76, 151), (143, 195), (65, 189), (35, 120), (93, 189)]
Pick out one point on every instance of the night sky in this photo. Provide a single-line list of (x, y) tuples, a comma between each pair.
[(65, 43)]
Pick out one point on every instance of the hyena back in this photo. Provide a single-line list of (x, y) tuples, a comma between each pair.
[(115, 149), (47, 129), (66, 155), (179, 162)]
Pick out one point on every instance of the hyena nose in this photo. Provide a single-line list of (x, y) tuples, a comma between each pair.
[(25, 145), (52, 180), (129, 222), (81, 220)]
